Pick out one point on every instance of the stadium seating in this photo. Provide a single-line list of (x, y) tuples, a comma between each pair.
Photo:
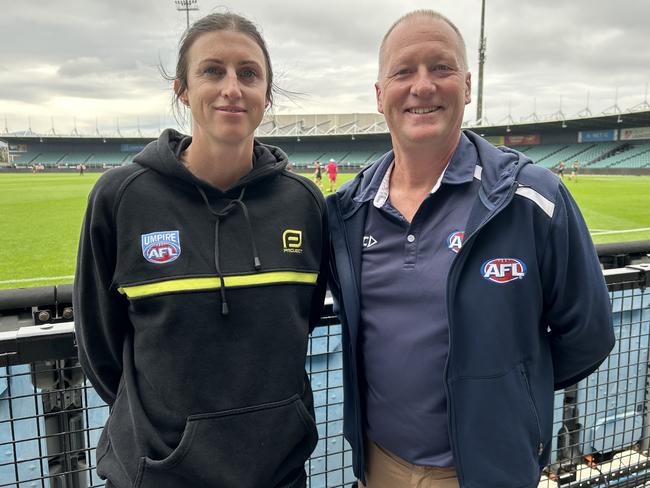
[(129, 158), (592, 155), (49, 159), (596, 151), (25, 159), (338, 156), (632, 156), (543, 151), (75, 158), (645, 160), (357, 152), (107, 159), (305, 158), (70, 154), (361, 158), (568, 154)]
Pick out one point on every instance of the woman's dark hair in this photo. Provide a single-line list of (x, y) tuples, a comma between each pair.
[(213, 23)]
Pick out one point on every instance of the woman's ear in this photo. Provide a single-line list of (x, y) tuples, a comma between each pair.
[(181, 92)]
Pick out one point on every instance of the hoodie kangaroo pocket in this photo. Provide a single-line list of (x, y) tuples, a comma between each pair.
[(251, 447)]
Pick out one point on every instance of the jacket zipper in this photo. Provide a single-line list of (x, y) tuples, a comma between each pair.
[(452, 277), (529, 393)]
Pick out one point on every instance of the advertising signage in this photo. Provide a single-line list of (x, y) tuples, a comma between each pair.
[(524, 140), (496, 140), (636, 133), (131, 147), (18, 148), (597, 135)]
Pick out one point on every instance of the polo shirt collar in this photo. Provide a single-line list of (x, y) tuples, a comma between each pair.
[(460, 169)]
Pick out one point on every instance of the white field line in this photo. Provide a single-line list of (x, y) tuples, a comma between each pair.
[(27, 280), (607, 232)]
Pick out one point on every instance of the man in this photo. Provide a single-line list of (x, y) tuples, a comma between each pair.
[(318, 174), (332, 169), (574, 171), (560, 170), (466, 282)]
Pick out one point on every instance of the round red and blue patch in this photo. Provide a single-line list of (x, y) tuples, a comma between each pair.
[(503, 270), (455, 241)]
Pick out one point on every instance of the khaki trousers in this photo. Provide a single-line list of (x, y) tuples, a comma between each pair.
[(386, 470)]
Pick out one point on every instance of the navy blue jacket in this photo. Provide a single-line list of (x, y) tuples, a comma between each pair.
[(528, 307)]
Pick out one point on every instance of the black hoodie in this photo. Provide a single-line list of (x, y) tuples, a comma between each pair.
[(192, 312)]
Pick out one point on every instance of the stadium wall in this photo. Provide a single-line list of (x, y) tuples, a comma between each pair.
[(612, 145)]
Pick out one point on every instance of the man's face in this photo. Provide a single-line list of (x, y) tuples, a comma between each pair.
[(423, 86)]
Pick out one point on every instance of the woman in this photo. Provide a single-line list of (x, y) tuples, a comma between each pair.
[(201, 272)]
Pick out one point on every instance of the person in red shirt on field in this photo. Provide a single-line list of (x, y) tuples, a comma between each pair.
[(331, 173)]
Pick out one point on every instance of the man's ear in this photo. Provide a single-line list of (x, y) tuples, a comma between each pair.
[(468, 88), (380, 105)]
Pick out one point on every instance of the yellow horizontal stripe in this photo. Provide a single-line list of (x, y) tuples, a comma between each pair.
[(191, 284)]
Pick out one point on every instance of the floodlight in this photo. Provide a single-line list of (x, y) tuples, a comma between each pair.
[(186, 6)]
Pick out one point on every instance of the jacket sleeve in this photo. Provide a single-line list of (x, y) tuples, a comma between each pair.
[(318, 298), (577, 308), (335, 287), (101, 318), (334, 284)]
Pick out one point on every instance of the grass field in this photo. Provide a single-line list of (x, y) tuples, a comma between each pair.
[(40, 218)]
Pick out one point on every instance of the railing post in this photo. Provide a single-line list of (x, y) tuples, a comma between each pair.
[(60, 384)]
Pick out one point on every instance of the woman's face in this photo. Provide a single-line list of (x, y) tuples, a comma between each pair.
[(226, 87)]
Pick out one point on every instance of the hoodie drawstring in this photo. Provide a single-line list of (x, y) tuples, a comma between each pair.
[(237, 202)]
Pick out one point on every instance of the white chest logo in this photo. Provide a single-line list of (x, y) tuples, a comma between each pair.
[(369, 241)]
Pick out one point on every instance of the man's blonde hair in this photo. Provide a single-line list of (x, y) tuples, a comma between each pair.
[(428, 13)]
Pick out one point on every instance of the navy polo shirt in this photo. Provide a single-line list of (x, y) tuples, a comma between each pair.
[(404, 337)]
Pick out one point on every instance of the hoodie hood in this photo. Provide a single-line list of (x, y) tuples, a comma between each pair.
[(162, 155)]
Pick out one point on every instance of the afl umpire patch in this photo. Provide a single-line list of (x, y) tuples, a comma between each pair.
[(161, 247)]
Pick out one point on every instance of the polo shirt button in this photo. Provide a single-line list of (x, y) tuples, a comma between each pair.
[(410, 238)]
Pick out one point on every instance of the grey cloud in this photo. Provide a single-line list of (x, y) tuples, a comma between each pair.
[(327, 50), (95, 86), (94, 66)]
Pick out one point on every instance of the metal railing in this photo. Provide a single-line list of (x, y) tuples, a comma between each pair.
[(51, 418)]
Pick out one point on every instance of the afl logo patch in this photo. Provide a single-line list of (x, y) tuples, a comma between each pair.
[(503, 270), (455, 241), (161, 247)]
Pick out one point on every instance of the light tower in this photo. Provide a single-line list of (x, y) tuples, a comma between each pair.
[(186, 6), (482, 44)]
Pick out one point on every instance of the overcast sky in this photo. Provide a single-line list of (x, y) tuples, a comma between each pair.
[(97, 60)]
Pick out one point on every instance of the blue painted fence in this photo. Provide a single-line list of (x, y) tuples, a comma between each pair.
[(608, 406)]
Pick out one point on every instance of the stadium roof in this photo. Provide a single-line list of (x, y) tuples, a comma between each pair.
[(599, 122), (364, 126)]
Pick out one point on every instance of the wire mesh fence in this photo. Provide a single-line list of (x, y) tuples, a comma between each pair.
[(51, 418)]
